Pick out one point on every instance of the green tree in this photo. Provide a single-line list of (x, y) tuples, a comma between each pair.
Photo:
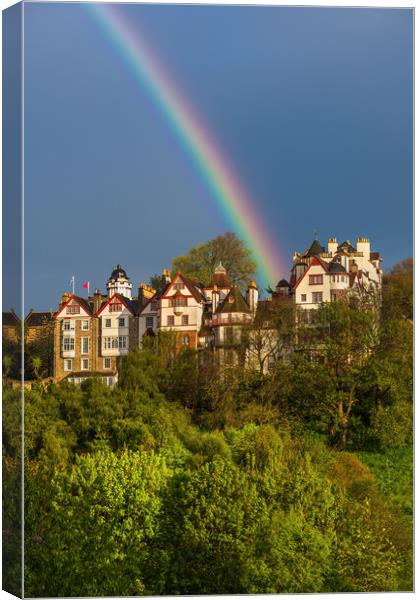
[(88, 528), (331, 362), (200, 262)]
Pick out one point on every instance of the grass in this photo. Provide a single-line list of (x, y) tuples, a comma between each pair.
[(393, 470)]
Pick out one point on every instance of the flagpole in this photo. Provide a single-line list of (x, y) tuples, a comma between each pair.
[(72, 282)]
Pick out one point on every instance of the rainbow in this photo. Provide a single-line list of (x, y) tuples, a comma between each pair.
[(240, 211)]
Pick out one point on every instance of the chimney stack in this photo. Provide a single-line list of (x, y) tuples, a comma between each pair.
[(97, 301), (64, 298), (363, 246), (166, 276), (332, 246)]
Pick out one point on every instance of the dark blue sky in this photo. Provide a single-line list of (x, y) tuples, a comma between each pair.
[(313, 107)]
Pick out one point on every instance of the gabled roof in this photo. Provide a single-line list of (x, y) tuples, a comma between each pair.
[(283, 283), (191, 286), (314, 249), (127, 303), (36, 319), (87, 306), (234, 302), (315, 261), (346, 247), (10, 319), (156, 296)]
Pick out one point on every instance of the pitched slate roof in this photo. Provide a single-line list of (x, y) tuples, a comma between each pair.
[(194, 289), (346, 247), (10, 319), (336, 267), (234, 302), (314, 249), (283, 283), (36, 319)]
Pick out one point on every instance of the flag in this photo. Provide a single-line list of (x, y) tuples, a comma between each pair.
[(86, 285)]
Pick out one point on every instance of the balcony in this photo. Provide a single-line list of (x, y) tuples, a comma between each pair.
[(68, 353), (229, 319), (68, 332)]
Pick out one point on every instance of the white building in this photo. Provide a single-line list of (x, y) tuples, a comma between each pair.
[(325, 275)]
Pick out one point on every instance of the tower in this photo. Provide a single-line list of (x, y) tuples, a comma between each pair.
[(119, 283)]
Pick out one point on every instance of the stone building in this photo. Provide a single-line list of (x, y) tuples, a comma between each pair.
[(92, 335)]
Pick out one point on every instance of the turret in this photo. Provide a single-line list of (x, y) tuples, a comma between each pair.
[(119, 283)]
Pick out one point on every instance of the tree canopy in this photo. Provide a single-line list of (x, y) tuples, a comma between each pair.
[(200, 261)]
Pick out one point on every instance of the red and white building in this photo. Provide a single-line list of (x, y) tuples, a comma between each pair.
[(328, 274)]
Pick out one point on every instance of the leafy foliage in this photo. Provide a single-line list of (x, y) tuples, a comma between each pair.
[(188, 478), (200, 262)]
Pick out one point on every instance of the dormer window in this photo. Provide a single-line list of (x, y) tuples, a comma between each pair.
[(74, 309), (115, 307)]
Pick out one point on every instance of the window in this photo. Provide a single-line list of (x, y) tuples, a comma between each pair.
[(85, 325), (85, 364), (229, 335), (185, 319), (113, 343), (149, 322), (122, 341), (315, 279), (181, 301), (107, 363), (303, 297), (115, 307), (68, 325), (107, 322), (121, 322), (154, 305), (68, 343), (185, 340), (316, 297), (171, 321), (68, 364), (179, 286), (343, 278), (85, 345), (333, 296), (74, 309)]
